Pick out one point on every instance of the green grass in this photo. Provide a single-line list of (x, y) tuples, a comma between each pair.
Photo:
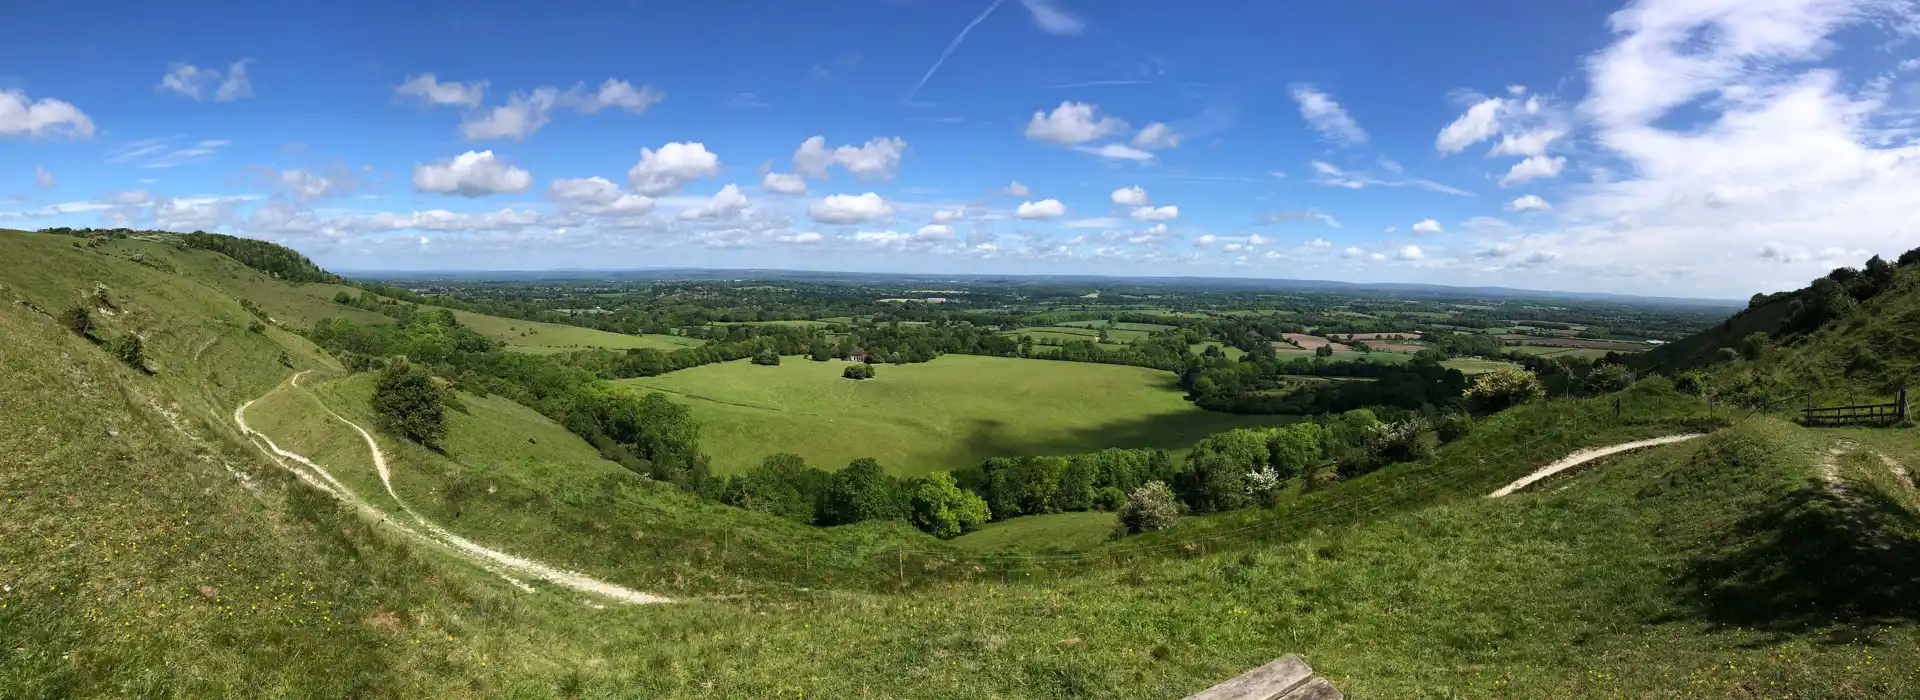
[(1230, 351), (1473, 365), (945, 414), (1069, 531), (1389, 358), (538, 337), (1544, 351)]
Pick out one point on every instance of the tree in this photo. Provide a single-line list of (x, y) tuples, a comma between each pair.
[(858, 370), (1362, 346), (943, 509), (409, 401), (255, 326), (1215, 477), (1753, 346), (1610, 377), (1323, 351), (768, 357), (863, 491), (1150, 507), (78, 320), (1503, 388), (131, 351), (782, 485)]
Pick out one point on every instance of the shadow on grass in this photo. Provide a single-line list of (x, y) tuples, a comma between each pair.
[(1812, 560), (1168, 431)]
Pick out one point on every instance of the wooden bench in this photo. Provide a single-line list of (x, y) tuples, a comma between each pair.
[(1287, 678)]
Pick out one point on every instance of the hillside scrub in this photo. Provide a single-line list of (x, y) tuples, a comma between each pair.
[(411, 403)]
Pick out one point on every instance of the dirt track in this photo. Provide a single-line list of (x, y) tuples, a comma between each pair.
[(1585, 456)]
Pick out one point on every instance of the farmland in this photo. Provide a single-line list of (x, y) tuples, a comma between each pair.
[(538, 337), (945, 414)]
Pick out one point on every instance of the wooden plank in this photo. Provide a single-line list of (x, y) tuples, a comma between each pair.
[(1267, 682), (1316, 689)]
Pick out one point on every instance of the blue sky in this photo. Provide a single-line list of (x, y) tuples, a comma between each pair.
[(1674, 147)]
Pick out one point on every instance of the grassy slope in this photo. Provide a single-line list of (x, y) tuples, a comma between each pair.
[(1071, 531), (945, 414), (536, 336)]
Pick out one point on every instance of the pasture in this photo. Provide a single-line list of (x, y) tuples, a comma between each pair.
[(538, 337), (1053, 531), (1547, 351), (1311, 342), (1119, 334), (945, 414), (1473, 365)]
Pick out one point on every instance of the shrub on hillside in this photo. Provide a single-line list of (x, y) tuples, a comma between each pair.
[(1151, 507), (1610, 377), (1503, 388), (78, 320), (1452, 426), (131, 351), (941, 508), (768, 357), (408, 401), (781, 485), (862, 491), (859, 370), (256, 326)]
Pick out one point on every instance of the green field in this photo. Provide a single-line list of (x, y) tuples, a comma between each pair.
[(1473, 365), (1120, 335), (538, 337), (1231, 352), (1287, 353), (1544, 351), (1067, 531), (945, 414), (1102, 323)]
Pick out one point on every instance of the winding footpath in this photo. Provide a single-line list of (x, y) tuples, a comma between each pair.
[(500, 563), (1585, 456)]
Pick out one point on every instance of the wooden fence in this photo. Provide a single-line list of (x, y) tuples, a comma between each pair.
[(1287, 678), (1865, 413)]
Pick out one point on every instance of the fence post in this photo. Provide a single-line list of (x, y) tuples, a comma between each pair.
[(900, 564)]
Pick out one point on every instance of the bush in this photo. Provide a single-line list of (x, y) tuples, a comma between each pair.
[(1691, 382), (858, 371), (943, 509), (863, 491), (768, 357), (256, 326), (1610, 377), (782, 485), (1151, 507), (409, 401), (1453, 426), (1753, 346), (78, 320), (1503, 388), (131, 351)]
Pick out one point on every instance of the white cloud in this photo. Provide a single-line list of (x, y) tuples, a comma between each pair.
[(1480, 123), (934, 232), (1329, 174), (943, 216), (806, 238), (1130, 196), (878, 159), (523, 114), (430, 90), (1072, 123), (1116, 151), (1531, 143), (471, 174), (621, 94), (728, 202), (1043, 209), (1534, 168), (1320, 243), (43, 178), (1411, 252), (1530, 202), (1497, 250), (1428, 226), (783, 183), (1051, 19), (1166, 213), (1541, 257), (307, 185), (598, 195), (671, 168), (843, 209), (236, 86), (42, 118), (1327, 116), (1353, 253), (1258, 240), (1096, 222), (1015, 189), (1299, 215), (1156, 136), (445, 221), (1206, 241), (1376, 256)]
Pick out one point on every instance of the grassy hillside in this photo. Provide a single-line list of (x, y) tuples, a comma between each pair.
[(945, 414)]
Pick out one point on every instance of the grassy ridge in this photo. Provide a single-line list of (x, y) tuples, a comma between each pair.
[(540, 337), (945, 414)]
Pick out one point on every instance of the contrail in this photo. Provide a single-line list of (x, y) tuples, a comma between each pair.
[(950, 47)]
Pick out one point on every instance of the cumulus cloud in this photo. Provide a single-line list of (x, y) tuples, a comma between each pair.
[(1206, 241), (671, 168), (1131, 196), (621, 94), (934, 232), (1480, 123), (1156, 136), (729, 201), (1428, 226), (1497, 250), (598, 195), (1015, 189), (1043, 209), (430, 90), (1166, 213), (471, 174), (306, 184), (1353, 253), (1411, 252), (1116, 151), (783, 183), (1072, 123), (46, 117), (1529, 203), (877, 159), (1327, 116), (523, 114), (1534, 168), (192, 81), (845, 209), (945, 216)]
